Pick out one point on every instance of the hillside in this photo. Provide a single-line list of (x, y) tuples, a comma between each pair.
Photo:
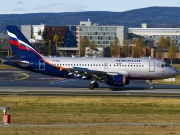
[(154, 16)]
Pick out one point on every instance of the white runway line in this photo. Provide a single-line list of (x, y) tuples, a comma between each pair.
[(92, 125)]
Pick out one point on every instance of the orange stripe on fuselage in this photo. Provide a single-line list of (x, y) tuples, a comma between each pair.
[(60, 67)]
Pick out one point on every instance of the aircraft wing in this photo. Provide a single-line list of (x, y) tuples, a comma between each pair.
[(100, 75), (88, 71)]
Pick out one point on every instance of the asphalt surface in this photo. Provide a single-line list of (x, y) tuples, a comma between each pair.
[(24, 81)]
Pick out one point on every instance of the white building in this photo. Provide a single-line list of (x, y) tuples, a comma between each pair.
[(155, 33), (99, 35), (33, 31), (27, 31), (37, 31)]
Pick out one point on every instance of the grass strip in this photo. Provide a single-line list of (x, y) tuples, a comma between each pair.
[(91, 109)]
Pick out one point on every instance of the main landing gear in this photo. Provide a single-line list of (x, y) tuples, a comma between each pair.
[(93, 85), (151, 84)]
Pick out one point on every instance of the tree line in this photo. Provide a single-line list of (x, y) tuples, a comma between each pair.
[(135, 49)]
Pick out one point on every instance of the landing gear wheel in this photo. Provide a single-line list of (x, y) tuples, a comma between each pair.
[(96, 85), (152, 87), (91, 86)]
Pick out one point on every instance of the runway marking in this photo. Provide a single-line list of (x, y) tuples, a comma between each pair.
[(43, 78), (92, 125), (26, 76), (55, 81)]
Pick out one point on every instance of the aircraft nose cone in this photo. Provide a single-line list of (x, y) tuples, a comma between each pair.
[(175, 72)]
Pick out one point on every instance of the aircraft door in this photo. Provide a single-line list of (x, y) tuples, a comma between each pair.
[(41, 64), (105, 65), (151, 66)]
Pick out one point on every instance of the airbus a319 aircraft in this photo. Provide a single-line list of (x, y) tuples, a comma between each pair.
[(116, 72)]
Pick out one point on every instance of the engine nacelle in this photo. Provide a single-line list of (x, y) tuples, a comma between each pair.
[(117, 80)]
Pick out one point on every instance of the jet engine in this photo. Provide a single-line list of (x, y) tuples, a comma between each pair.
[(117, 80)]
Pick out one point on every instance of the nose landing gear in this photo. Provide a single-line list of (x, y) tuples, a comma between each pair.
[(151, 84)]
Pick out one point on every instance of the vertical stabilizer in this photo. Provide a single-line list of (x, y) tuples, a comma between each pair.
[(21, 47)]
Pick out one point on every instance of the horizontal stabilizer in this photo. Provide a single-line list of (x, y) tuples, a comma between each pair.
[(18, 62)]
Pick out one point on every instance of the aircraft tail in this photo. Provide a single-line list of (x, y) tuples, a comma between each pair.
[(21, 47)]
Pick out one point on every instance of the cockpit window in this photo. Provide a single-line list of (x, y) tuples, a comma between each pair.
[(168, 65), (165, 65)]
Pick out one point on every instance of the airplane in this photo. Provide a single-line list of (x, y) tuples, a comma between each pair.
[(116, 72)]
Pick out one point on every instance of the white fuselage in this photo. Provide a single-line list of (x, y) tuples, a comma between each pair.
[(142, 68)]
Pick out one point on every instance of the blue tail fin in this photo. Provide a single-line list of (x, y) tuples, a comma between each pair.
[(21, 48)]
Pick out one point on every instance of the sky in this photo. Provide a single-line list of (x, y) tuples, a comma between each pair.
[(58, 6)]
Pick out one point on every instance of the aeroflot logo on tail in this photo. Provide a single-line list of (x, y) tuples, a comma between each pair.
[(128, 61)]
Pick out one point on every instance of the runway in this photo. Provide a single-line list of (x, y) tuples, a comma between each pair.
[(23, 81)]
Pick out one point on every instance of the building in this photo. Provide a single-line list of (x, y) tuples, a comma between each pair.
[(102, 36), (153, 34), (66, 43), (99, 35), (5, 48), (37, 31), (27, 31), (33, 31), (96, 52)]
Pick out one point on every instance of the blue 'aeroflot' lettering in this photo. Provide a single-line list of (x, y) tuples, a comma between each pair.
[(128, 60)]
